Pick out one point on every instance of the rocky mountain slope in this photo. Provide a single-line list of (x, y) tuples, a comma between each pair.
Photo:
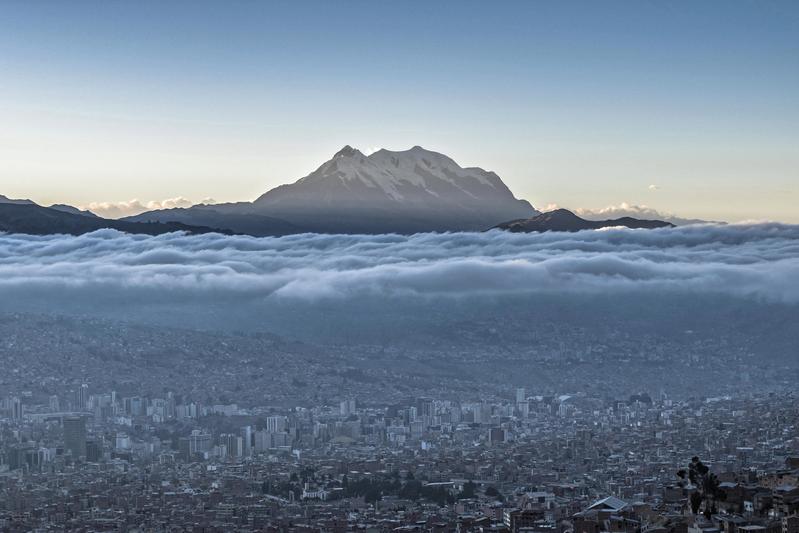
[(406, 191), (565, 220), (37, 220)]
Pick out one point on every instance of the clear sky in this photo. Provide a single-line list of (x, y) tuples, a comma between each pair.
[(688, 107)]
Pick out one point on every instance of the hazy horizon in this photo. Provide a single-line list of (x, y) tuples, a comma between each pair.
[(686, 111), (389, 321)]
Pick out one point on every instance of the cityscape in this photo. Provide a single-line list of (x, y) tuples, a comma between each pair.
[(101, 461), (309, 447), (451, 266)]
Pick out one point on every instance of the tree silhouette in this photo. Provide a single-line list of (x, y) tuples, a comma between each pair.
[(469, 490), (494, 493), (707, 486)]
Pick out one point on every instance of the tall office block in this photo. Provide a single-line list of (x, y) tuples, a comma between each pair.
[(75, 435)]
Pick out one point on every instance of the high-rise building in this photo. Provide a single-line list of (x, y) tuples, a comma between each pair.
[(263, 441), (122, 441), (134, 406), (94, 451), (55, 405), (424, 407), (521, 395), (83, 396), (347, 407), (276, 424), (482, 413), (186, 411), (496, 435), (199, 442), (234, 444), (15, 408), (246, 442), (75, 435)]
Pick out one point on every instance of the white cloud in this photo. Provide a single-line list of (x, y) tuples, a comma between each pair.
[(625, 209), (134, 207), (549, 207), (654, 187), (170, 203), (636, 211), (750, 261), (369, 150)]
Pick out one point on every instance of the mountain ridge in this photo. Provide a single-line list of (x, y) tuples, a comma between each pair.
[(33, 219), (15, 201), (567, 221), (208, 215), (404, 192), (409, 191)]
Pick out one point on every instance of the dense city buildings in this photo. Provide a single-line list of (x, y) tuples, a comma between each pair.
[(518, 462), (555, 291), (75, 436), (109, 426)]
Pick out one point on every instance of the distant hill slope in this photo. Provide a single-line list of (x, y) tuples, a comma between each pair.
[(36, 220), (201, 215), (408, 191), (565, 220), (74, 210), (6, 200)]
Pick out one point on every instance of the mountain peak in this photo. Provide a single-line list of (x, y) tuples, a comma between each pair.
[(7, 200), (565, 220), (347, 151), (558, 214), (74, 210), (415, 151), (393, 191)]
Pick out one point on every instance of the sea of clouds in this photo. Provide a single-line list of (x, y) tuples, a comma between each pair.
[(757, 261)]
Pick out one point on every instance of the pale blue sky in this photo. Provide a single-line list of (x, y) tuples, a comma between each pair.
[(583, 104)]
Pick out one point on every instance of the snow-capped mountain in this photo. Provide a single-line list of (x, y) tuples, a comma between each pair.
[(404, 191), (408, 191)]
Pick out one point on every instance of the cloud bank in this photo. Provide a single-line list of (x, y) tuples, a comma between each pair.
[(135, 207), (625, 209), (759, 261)]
